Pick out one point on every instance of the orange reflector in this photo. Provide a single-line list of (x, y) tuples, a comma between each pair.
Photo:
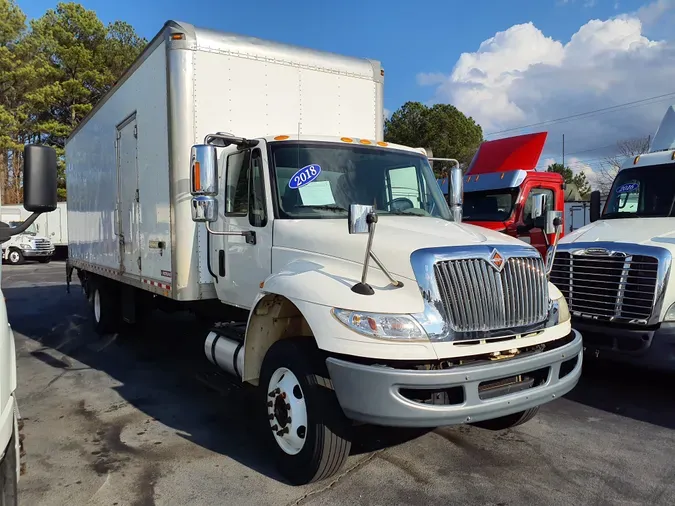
[(198, 182), (636, 159), (177, 36), (346, 139), (281, 137), (262, 283), (382, 143), (365, 141), (502, 175)]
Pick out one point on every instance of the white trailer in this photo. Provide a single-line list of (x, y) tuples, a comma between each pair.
[(262, 225)]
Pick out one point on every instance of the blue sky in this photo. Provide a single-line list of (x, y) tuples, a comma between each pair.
[(506, 63), (411, 38)]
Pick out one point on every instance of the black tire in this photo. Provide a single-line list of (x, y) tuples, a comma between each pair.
[(328, 433), (105, 305), (508, 421), (8, 476), (44, 260), (15, 257)]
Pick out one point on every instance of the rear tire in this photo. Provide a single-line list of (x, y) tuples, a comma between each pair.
[(44, 260), (15, 257), (310, 440), (508, 421), (8, 475), (105, 306)]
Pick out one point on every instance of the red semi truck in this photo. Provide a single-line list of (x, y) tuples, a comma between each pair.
[(501, 188)]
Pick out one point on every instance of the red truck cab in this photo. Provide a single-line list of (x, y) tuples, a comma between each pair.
[(500, 185)]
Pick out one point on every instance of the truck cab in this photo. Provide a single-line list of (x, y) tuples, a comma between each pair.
[(501, 185), (615, 272), (28, 245)]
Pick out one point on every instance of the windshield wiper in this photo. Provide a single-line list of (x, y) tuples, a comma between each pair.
[(327, 207), (611, 216)]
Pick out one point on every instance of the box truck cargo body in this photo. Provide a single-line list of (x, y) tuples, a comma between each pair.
[(249, 177), (128, 161)]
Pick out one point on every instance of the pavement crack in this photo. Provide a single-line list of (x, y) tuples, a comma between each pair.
[(335, 480)]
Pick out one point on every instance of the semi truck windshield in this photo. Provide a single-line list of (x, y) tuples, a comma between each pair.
[(321, 180), (490, 205), (642, 192)]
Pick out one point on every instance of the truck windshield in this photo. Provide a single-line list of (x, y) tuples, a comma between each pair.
[(490, 205), (642, 192), (321, 180), (30, 230)]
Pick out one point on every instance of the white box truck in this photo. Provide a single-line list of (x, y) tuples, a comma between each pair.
[(615, 271), (247, 177), (39, 185)]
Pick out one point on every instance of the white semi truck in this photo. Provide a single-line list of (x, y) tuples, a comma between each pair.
[(423, 322), (39, 187), (615, 272)]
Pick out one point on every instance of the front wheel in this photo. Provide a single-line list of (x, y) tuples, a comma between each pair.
[(15, 257), (8, 475), (307, 431), (508, 421)]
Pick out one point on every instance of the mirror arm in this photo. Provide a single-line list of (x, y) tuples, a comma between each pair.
[(558, 229), (248, 234), (6, 233), (396, 283), (364, 288)]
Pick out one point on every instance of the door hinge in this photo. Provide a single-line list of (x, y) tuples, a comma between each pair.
[(136, 131), (139, 263), (119, 135), (138, 196)]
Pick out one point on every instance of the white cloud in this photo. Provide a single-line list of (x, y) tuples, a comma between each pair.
[(387, 113), (520, 76)]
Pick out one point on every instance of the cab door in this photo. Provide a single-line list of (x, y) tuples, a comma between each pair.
[(241, 262), (533, 231)]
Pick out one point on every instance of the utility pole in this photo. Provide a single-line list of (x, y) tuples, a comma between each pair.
[(563, 161)]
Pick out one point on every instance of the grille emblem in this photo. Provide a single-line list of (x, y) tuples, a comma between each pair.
[(496, 260)]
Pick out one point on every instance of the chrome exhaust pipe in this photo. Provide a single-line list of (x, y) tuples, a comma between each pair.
[(225, 353)]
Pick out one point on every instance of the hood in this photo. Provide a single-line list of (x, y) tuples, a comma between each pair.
[(657, 231), (396, 237), (497, 226)]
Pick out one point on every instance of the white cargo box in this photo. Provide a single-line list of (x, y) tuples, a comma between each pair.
[(129, 215)]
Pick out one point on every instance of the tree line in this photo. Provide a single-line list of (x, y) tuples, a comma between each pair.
[(53, 70)]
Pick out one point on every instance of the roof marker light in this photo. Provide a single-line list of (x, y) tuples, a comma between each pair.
[(281, 137), (346, 139), (365, 141), (636, 159)]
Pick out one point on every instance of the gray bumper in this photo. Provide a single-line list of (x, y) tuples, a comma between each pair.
[(37, 252), (651, 349), (372, 394)]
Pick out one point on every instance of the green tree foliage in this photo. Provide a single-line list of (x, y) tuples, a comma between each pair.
[(442, 127), (579, 180), (52, 73)]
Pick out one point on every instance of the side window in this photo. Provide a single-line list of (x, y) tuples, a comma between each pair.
[(527, 212), (257, 214), (403, 183), (237, 183)]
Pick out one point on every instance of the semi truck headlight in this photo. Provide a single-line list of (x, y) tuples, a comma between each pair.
[(25, 246), (395, 327), (670, 314)]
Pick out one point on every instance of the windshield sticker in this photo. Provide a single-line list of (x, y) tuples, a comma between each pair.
[(318, 193), (304, 176), (628, 188)]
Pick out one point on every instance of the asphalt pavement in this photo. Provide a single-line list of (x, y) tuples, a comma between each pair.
[(138, 419)]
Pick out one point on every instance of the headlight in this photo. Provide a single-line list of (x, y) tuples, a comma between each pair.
[(25, 246), (670, 314), (396, 327), (561, 310)]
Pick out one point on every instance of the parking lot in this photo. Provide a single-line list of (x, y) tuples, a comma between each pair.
[(138, 419)]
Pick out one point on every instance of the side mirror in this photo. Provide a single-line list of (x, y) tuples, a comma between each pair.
[(358, 218), (203, 170), (538, 206), (204, 209), (39, 178), (553, 220), (595, 206), (456, 192)]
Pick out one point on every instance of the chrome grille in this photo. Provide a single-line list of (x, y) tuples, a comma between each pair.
[(42, 244), (477, 298), (609, 286)]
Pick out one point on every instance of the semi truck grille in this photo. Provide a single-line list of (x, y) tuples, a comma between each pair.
[(607, 287), (476, 297), (42, 244)]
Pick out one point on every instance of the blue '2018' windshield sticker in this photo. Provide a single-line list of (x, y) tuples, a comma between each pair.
[(304, 176), (628, 188)]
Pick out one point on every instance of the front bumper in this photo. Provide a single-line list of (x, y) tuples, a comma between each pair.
[(651, 349), (373, 394), (27, 253)]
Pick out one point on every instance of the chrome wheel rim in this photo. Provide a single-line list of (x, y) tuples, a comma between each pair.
[(287, 411)]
